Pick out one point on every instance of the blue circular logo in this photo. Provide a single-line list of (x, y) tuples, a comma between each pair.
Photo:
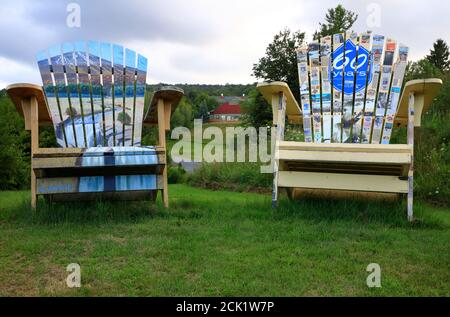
[(356, 60)]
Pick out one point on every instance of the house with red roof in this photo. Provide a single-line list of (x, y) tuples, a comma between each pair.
[(225, 113)]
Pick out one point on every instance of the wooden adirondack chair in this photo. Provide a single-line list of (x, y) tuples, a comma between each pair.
[(94, 95), (351, 98)]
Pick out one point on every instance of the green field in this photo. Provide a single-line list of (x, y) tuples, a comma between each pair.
[(222, 243)]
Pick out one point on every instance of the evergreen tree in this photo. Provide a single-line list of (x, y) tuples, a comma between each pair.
[(439, 55), (338, 20)]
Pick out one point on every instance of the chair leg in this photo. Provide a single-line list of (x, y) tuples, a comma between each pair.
[(275, 193), (410, 198), (33, 190), (165, 190)]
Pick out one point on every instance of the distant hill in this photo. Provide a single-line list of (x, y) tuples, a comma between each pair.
[(211, 90)]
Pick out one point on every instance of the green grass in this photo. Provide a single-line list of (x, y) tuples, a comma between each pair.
[(222, 243)]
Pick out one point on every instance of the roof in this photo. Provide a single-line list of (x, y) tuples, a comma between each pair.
[(227, 108)]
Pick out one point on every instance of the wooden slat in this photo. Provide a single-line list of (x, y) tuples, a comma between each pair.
[(75, 162), (67, 152), (96, 91), (325, 69), (130, 97), (141, 74), (338, 41), (303, 75), (102, 171), (349, 86), (369, 183), (108, 196), (107, 93), (350, 157), (74, 92), (361, 77), (372, 89), (314, 72), (81, 60), (118, 95), (65, 185), (383, 91), (346, 147), (300, 193), (62, 99)]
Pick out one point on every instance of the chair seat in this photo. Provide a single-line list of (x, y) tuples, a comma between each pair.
[(98, 169), (368, 159)]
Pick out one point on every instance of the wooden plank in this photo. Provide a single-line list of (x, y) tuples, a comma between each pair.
[(314, 68), (295, 166), (67, 152), (81, 60), (99, 171), (299, 193), (83, 184), (411, 167), (350, 157), (338, 71), (303, 75), (62, 98), (77, 161), (372, 89), (94, 54), (349, 85), (51, 94), (362, 79), (34, 114), (106, 196), (161, 124), (107, 94), (325, 67), (394, 96), (74, 94), (369, 183), (130, 97), (141, 75), (383, 91), (346, 147), (118, 93)]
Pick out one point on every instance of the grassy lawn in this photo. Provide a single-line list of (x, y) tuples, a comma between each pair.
[(222, 243)]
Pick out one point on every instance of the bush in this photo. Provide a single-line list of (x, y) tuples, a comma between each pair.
[(176, 175), (234, 176)]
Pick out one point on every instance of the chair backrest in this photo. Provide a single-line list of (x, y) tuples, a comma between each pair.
[(350, 87), (95, 93)]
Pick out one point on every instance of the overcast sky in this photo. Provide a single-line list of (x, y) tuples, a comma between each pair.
[(198, 41)]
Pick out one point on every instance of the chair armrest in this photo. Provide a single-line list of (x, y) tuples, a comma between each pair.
[(425, 90), (171, 97), (20, 92), (269, 89)]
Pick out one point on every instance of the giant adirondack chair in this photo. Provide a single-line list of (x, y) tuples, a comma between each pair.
[(352, 96), (94, 95)]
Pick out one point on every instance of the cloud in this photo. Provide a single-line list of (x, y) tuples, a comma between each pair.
[(198, 40)]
